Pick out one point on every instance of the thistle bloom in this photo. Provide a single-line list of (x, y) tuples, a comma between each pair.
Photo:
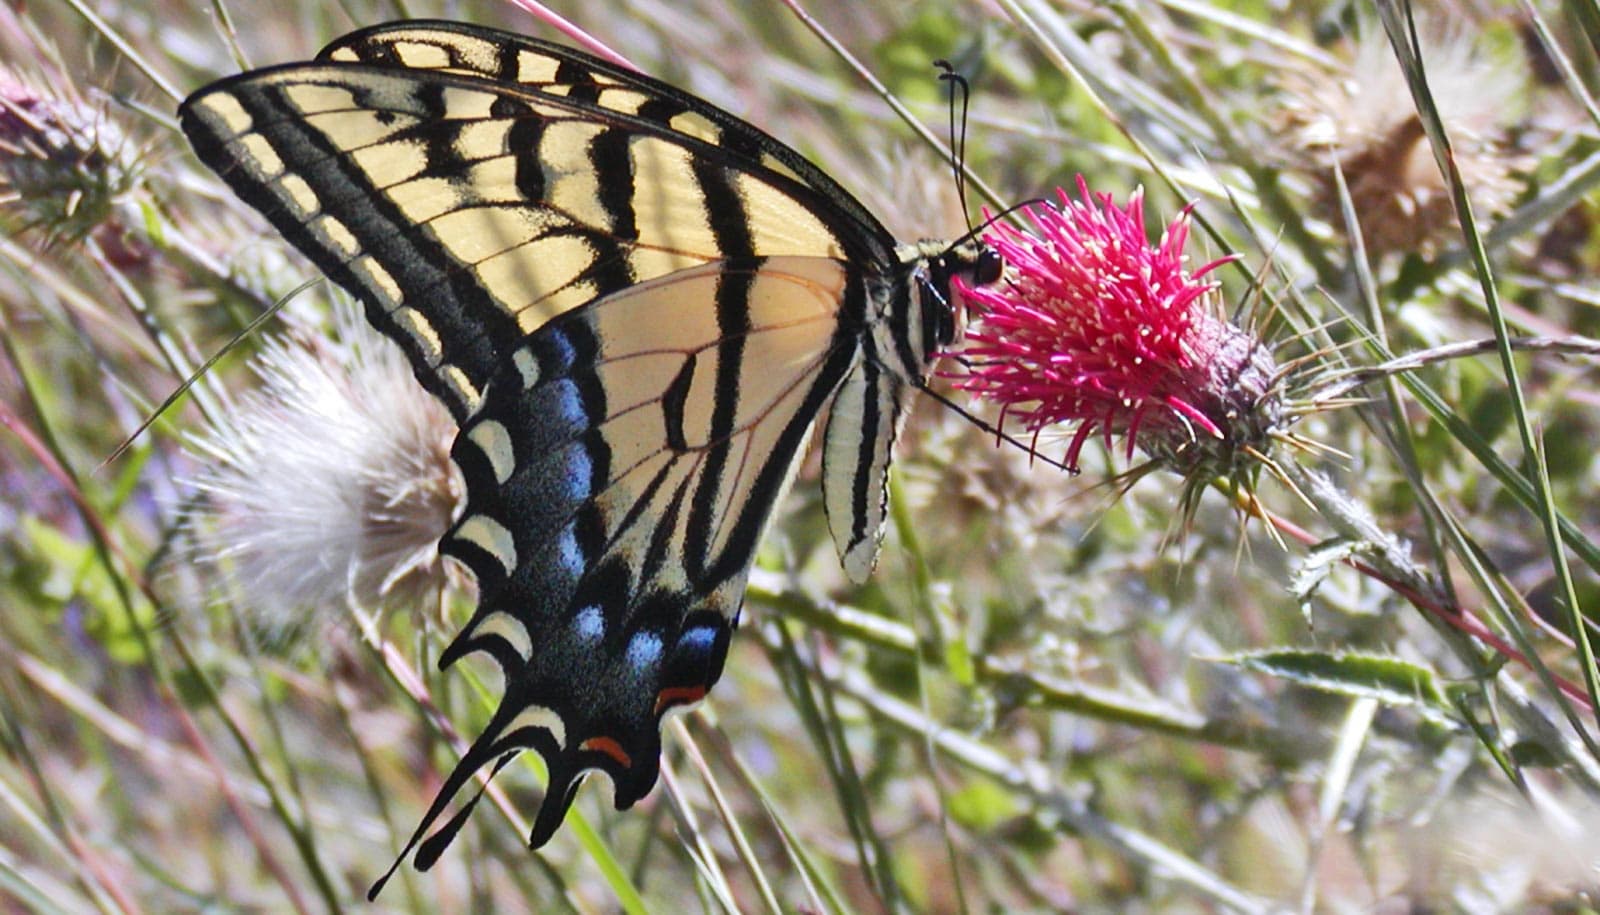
[(1094, 326)]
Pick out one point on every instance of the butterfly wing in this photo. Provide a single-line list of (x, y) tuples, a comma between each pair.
[(634, 304), (466, 213), (557, 70), (618, 485), (863, 422)]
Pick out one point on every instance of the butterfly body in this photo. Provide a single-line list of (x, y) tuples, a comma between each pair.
[(635, 305)]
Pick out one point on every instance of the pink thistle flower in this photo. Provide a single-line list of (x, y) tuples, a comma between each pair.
[(1092, 325)]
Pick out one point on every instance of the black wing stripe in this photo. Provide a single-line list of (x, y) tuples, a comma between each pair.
[(725, 214), (465, 322), (866, 454), (613, 164), (904, 322)]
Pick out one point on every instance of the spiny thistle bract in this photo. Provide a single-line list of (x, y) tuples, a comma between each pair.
[(63, 162)]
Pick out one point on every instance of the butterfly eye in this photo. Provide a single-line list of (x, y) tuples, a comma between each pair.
[(988, 268)]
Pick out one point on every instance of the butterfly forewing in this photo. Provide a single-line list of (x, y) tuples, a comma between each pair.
[(561, 71), (635, 304), (466, 213)]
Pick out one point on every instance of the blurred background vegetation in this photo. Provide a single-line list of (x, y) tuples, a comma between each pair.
[(1050, 697)]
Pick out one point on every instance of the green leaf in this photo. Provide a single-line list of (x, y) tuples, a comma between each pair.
[(73, 572), (154, 226), (982, 805), (1389, 680), (1534, 753)]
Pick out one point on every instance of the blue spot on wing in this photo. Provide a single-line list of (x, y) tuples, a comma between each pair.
[(644, 650), (568, 554), (590, 624), (557, 351), (580, 472), (699, 640), (566, 402)]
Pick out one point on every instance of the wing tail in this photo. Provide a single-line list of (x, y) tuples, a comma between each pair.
[(484, 749), (516, 727)]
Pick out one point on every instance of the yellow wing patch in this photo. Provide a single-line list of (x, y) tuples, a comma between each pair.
[(664, 330)]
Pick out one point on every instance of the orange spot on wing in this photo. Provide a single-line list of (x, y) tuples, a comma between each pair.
[(678, 695), (609, 747)]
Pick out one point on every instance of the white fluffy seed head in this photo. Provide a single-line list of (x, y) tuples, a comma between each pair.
[(330, 485)]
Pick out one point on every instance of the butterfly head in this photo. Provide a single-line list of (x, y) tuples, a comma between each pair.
[(936, 266)]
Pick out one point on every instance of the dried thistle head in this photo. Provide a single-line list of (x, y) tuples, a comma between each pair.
[(331, 484), (1361, 120), (63, 162)]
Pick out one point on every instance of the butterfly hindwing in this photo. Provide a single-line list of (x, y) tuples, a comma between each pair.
[(617, 486), (863, 422), (600, 449)]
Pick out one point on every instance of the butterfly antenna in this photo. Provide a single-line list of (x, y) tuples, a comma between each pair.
[(994, 430), (959, 87), (993, 218)]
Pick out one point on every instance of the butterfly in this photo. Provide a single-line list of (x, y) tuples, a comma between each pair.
[(635, 305)]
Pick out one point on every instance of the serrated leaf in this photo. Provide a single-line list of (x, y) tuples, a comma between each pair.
[(1386, 679)]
